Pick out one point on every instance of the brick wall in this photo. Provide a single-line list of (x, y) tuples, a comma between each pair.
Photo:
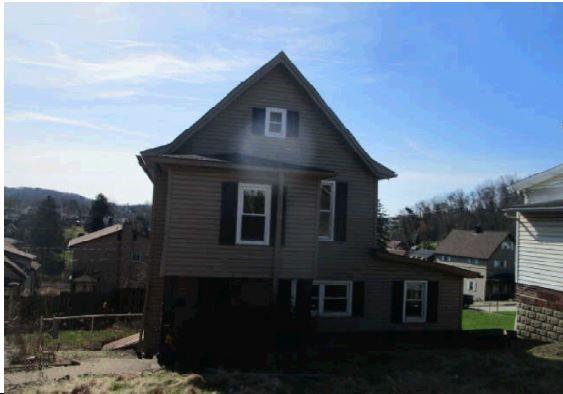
[(540, 313)]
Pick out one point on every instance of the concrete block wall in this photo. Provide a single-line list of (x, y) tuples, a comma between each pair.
[(539, 314)]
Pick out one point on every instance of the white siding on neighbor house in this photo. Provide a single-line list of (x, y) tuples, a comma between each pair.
[(540, 251), (549, 190)]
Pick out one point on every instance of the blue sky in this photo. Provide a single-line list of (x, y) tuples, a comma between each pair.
[(448, 96)]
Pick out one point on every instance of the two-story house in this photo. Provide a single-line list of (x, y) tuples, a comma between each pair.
[(111, 258), (269, 200), (489, 253), (539, 256)]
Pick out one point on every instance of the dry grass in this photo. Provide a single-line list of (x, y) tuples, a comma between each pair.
[(520, 368)]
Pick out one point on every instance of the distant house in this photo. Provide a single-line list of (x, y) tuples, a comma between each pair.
[(539, 256), (20, 269), (490, 253), (113, 257), (422, 254), (398, 247)]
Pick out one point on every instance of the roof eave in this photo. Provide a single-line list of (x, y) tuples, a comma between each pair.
[(226, 165), (436, 267)]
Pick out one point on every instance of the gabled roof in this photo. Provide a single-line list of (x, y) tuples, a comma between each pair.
[(468, 243), (9, 247), (436, 267), (538, 178), (84, 279), (281, 58), (96, 234)]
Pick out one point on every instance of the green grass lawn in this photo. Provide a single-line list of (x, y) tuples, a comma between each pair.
[(478, 320)]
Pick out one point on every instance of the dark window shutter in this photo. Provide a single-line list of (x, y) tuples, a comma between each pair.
[(303, 298), (284, 294), (432, 302), (273, 215), (397, 293), (258, 120), (358, 299), (340, 208), (284, 214), (292, 124), (228, 229)]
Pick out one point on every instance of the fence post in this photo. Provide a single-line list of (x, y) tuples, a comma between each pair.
[(41, 324), (92, 324)]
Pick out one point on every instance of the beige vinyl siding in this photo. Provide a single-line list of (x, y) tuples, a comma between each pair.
[(319, 144), (193, 223), (379, 277), (540, 252)]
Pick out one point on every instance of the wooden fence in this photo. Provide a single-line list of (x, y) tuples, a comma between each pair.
[(66, 304)]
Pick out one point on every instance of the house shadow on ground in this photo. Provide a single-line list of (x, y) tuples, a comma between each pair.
[(484, 362)]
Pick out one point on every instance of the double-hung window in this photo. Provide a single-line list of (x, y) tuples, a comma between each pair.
[(253, 214), (414, 304), (331, 298), (326, 218), (276, 122)]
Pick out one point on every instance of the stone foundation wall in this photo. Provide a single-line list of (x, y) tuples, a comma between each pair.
[(540, 313)]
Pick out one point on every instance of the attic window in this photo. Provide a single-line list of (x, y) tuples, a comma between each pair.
[(276, 122)]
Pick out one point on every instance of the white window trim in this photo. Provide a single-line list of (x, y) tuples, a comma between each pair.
[(283, 131), (267, 189), (332, 184), (322, 284), (424, 302)]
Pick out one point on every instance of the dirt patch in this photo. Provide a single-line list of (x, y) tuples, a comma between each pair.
[(93, 366)]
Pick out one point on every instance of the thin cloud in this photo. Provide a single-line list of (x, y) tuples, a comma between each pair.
[(134, 68), (44, 118)]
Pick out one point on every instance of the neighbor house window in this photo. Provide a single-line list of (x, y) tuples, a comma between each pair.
[(414, 306), (253, 214), (276, 122), (507, 245), (136, 257), (471, 285), (326, 218), (500, 264)]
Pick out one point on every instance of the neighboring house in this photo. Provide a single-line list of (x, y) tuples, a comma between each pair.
[(422, 254), (269, 200), (398, 247), (15, 258), (489, 253), (50, 287), (115, 257), (539, 256)]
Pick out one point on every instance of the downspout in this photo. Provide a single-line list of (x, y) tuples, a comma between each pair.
[(277, 241)]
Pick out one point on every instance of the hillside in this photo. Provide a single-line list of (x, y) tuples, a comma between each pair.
[(31, 196), (20, 201)]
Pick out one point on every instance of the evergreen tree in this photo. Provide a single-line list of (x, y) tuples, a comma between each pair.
[(46, 236), (382, 227), (99, 210)]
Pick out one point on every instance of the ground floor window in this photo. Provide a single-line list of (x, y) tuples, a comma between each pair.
[(471, 285), (415, 300), (328, 298)]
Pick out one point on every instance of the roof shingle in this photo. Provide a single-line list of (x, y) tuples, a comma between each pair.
[(467, 243)]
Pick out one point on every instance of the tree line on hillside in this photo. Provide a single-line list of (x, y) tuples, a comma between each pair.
[(430, 221), (47, 234)]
